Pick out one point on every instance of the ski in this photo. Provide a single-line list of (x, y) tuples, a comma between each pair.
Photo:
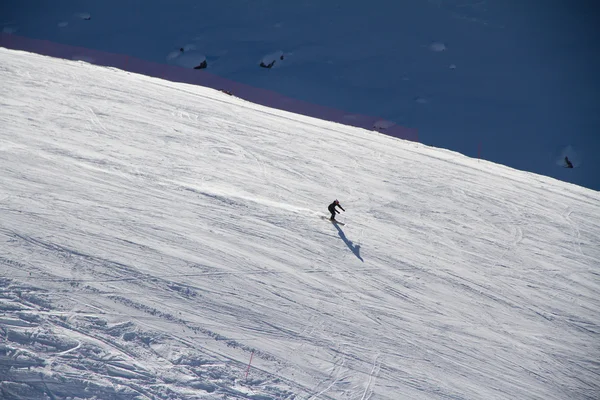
[(334, 221)]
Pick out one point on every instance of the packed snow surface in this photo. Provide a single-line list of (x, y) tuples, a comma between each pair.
[(513, 82), (161, 240)]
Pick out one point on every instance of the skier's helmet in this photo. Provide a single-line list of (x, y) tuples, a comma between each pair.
[(336, 202)]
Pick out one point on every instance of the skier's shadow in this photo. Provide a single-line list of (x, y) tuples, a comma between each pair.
[(355, 248)]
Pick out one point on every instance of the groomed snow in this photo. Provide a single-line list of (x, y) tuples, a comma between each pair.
[(157, 236)]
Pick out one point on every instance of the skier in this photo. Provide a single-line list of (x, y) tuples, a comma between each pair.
[(332, 209), (568, 162)]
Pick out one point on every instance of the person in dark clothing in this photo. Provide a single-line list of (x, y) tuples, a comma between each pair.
[(568, 163), (332, 209)]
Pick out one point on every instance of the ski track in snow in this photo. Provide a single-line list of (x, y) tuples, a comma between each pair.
[(154, 235)]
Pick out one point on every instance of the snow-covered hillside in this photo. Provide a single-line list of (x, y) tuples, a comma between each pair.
[(513, 82), (157, 239)]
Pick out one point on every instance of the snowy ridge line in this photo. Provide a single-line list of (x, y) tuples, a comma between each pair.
[(203, 78)]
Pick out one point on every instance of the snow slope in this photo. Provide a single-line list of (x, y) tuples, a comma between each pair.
[(156, 237), (513, 82)]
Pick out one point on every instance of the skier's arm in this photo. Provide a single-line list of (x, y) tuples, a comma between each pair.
[(341, 208)]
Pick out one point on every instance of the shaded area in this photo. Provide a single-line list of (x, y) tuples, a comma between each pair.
[(354, 247)]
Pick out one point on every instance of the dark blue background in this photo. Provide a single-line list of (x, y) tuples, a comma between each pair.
[(524, 90)]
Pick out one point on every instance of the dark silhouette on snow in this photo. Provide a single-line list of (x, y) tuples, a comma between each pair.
[(568, 163), (202, 65), (269, 65), (266, 63), (332, 209)]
